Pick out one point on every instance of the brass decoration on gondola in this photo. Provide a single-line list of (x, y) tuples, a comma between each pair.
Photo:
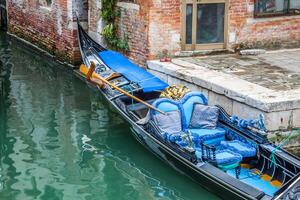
[(174, 92)]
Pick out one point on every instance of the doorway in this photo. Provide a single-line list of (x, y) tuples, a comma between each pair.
[(204, 24)]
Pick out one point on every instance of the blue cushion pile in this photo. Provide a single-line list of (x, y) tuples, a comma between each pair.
[(227, 153), (245, 149)]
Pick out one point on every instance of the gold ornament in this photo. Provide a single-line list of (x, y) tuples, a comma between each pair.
[(174, 92)]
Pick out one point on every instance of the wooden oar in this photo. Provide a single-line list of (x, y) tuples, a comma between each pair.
[(112, 76), (98, 80)]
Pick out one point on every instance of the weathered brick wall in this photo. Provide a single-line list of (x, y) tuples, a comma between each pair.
[(151, 27), (133, 26), (272, 32), (51, 28), (95, 23), (164, 27)]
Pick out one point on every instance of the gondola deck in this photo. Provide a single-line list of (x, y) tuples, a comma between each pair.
[(269, 173)]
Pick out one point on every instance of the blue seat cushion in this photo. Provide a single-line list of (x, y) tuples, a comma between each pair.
[(209, 136), (170, 122), (223, 157), (246, 150), (204, 116), (188, 102), (227, 157)]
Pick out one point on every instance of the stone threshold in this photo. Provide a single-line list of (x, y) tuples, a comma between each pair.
[(203, 52), (237, 96)]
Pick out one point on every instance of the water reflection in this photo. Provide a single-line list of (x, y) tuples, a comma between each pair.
[(59, 140)]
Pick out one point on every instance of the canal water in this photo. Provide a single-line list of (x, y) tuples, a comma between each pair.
[(60, 140)]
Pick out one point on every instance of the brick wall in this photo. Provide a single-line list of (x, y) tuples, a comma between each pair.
[(133, 26), (269, 33), (164, 27), (163, 22), (151, 26), (51, 28), (95, 23)]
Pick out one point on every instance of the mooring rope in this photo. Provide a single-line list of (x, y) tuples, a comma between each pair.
[(281, 144)]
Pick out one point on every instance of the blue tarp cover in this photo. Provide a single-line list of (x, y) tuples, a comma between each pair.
[(132, 72)]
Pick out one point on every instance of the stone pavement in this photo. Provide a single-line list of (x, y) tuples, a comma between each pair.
[(244, 85), (273, 70)]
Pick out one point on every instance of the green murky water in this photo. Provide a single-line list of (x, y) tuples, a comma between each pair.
[(59, 140)]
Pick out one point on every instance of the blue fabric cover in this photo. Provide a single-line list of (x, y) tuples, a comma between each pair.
[(234, 136), (132, 72), (204, 116), (172, 137), (176, 138), (223, 157), (188, 102), (210, 136), (246, 150), (227, 157)]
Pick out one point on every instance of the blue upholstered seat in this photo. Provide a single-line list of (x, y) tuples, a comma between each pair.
[(187, 103), (210, 136), (245, 149), (227, 157), (228, 154), (224, 158), (185, 107)]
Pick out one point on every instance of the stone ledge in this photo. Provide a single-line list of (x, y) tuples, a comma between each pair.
[(203, 52), (232, 101), (232, 87), (271, 19)]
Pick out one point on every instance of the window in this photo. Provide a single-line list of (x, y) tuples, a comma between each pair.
[(210, 23), (45, 3), (265, 8), (204, 24)]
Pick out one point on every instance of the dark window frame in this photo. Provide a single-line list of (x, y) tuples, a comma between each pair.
[(193, 45), (286, 12)]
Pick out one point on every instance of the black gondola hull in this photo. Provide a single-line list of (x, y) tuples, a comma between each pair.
[(179, 164), (203, 173)]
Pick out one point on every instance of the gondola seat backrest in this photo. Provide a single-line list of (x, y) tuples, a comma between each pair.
[(187, 104), (171, 121)]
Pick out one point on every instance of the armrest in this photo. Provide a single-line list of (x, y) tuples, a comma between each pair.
[(208, 152)]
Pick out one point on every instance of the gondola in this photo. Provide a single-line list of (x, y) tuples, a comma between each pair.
[(229, 156)]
